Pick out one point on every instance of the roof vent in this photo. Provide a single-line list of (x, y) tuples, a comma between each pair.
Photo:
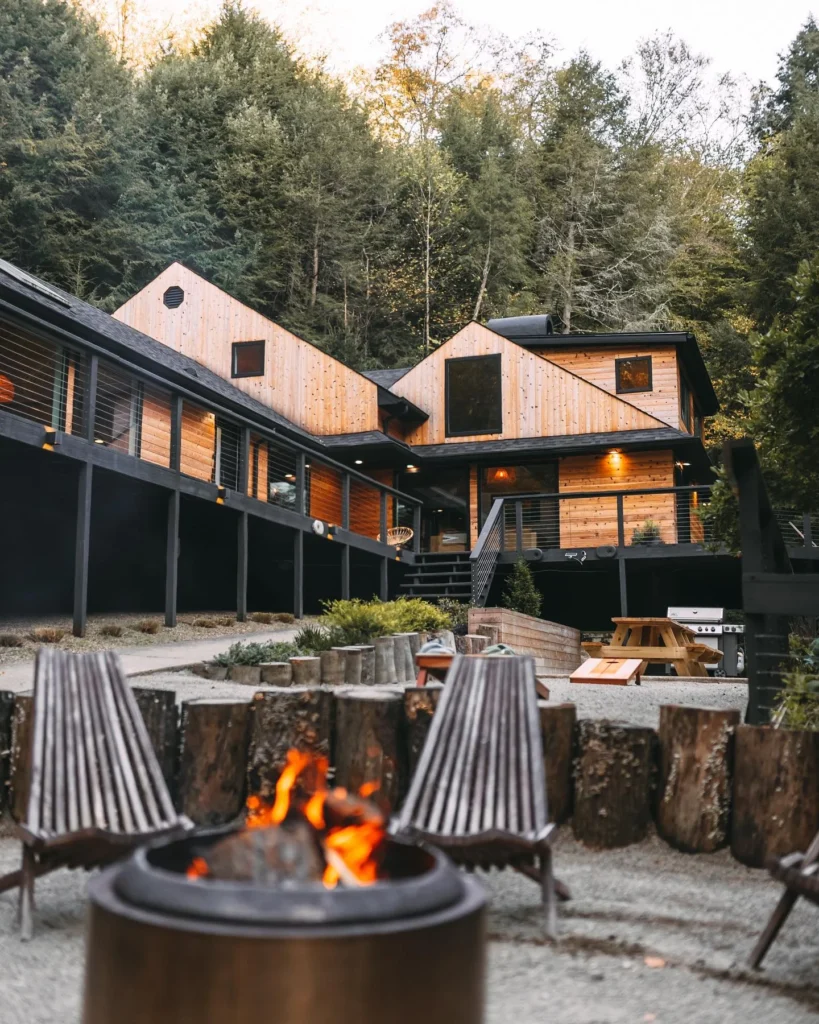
[(173, 297)]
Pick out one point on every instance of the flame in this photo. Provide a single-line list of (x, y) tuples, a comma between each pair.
[(197, 868)]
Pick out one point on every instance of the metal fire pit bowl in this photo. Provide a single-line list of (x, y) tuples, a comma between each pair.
[(163, 949)]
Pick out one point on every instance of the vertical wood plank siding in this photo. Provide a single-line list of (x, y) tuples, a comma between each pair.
[(198, 442)]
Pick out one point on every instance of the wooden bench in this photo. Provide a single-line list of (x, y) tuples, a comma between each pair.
[(479, 791), (95, 788), (657, 641)]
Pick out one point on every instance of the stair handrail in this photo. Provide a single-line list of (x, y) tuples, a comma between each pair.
[(484, 556)]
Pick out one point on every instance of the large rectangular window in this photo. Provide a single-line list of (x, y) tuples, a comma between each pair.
[(633, 374), (474, 402)]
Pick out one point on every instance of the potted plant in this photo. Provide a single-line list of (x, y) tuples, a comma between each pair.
[(648, 533)]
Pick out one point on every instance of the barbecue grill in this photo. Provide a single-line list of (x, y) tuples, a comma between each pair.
[(711, 628)]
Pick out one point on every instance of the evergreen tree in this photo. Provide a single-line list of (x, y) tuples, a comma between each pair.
[(521, 594)]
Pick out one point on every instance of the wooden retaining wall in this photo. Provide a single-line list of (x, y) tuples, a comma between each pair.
[(702, 780), (555, 648)]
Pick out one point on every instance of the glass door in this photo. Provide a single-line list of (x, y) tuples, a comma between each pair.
[(445, 509)]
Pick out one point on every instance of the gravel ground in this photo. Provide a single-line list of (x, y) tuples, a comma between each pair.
[(699, 915), (131, 636)]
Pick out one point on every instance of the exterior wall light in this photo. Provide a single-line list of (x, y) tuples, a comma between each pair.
[(359, 462), (412, 469)]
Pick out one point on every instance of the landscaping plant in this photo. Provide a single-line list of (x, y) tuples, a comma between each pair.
[(110, 630), (47, 635), (256, 654), (521, 594), (10, 640), (148, 626)]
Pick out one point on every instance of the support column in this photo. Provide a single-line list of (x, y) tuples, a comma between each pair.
[(345, 572), (621, 566), (172, 558), (241, 570), (81, 545), (385, 580), (298, 575)]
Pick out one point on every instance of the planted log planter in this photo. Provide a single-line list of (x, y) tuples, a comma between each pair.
[(776, 792), (276, 673), (694, 786), (557, 728), (159, 712), (306, 671), (22, 724), (333, 666), (295, 716), (369, 744), (613, 780), (420, 703), (6, 716), (212, 778)]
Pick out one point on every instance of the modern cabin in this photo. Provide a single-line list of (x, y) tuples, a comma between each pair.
[(189, 452)]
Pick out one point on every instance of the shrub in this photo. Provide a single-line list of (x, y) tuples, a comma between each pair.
[(312, 639), (284, 617), (521, 594), (111, 630), (797, 703), (264, 617), (648, 531), (256, 654), (148, 625), (414, 615), (47, 635), (204, 623), (359, 622), (457, 611), (10, 640), (225, 620)]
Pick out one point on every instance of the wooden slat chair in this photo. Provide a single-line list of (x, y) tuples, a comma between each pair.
[(479, 791), (800, 875), (95, 787)]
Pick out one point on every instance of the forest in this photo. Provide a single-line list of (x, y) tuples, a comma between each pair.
[(465, 176)]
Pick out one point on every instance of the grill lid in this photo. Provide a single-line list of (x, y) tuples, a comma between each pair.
[(688, 615)]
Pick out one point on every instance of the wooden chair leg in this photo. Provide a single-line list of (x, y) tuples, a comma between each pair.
[(775, 922), (26, 904), (547, 883)]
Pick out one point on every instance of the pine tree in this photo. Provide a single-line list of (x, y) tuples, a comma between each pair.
[(521, 594)]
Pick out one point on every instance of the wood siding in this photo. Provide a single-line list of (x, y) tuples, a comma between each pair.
[(474, 505), (300, 381), (156, 430), (598, 366), (590, 522), (198, 442), (540, 399)]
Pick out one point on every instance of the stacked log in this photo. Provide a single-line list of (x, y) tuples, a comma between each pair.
[(212, 780), (159, 712), (694, 790), (297, 717), (613, 782), (6, 716), (369, 744), (776, 792), (557, 728), (420, 703), (22, 726)]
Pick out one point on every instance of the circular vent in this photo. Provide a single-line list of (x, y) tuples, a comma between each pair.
[(173, 297)]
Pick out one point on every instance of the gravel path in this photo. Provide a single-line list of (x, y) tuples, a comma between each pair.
[(699, 915)]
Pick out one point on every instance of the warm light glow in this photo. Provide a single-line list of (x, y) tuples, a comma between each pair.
[(359, 462), (614, 456), (503, 475), (6, 390), (412, 469)]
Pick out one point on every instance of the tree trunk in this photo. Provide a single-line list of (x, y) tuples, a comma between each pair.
[(213, 759), (694, 790), (557, 725), (297, 717), (22, 727), (776, 792), (369, 742), (159, 712), (613, 777), (420, 703), (484, 278), (6, 718), (566, 315), (314, 279), (427, 266)]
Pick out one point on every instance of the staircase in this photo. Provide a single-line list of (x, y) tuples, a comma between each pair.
[(439, 575)]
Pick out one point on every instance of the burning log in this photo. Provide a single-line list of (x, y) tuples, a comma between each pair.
[(267, 856), (298, 718), (212, 765), (557, 723), (369, 744), (159, 712), (22, 726), (419, 707), (694, 792)]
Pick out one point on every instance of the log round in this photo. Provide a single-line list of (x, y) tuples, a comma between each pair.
[(352, 665), (21, 734), (476, 643), (248, 674), (384, 660), (403, 657), (613, 779), (295, 716), (213, 759), (332, 666), (419, 707), (369, 744), (306, 671), (161, 717), (490, 632), (696, 747), (6, 717), (776, 792), (367, 664), (276, 673), (557, 728)]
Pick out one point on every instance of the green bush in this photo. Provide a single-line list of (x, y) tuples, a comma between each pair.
[(521, 594), (413, 615), (256, 654), (797, 704), (359, 622), (10, 640), (312, 639), (264, 617), (457, 611)]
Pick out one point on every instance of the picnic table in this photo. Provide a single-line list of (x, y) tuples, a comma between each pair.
[(657, 641)]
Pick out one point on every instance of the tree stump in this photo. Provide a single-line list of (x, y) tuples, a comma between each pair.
[(352, 665), (293, 717), (694, 788), (557, 726), (306, 671), (248, 674), (776, 792), (403, 658), (369, 744), (420, 703), (213, 759), (476, 643), (490, 632), (159, 712), (384, 660), (276, 673), (367, 664), (333, 666), (6, 716), (22, 726), (613, 778)]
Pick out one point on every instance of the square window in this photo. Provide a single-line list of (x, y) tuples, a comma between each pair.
[(248, 359), (474, 404), (633, 374)]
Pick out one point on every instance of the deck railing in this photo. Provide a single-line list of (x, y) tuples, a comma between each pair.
[(485, 555)]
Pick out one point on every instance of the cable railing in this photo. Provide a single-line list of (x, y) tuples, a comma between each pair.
[(484, 557), (798, 529)]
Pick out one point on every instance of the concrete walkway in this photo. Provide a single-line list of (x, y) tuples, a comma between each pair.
[(154, 658)]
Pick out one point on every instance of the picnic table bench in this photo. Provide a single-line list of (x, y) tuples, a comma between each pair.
[(657, 641)]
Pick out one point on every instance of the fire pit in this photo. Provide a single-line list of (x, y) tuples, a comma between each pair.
[(287, 924)]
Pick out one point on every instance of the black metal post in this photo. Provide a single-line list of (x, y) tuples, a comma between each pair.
[(176, 432), (621, 542), (89, 397), (621, 565), (172, 558), (81, 544), (807, 530), (345, 501), (301, 485), (382, 536), (345, 571), (416, 528), (384, 589), (241, 570), (519, 527), (298, 575), (244, 460)]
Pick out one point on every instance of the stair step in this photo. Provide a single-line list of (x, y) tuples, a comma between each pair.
[(462, 573)]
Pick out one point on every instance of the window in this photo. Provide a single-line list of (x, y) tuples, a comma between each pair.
[(633, 374), (473, 396), (685, 402), (248, 359)]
